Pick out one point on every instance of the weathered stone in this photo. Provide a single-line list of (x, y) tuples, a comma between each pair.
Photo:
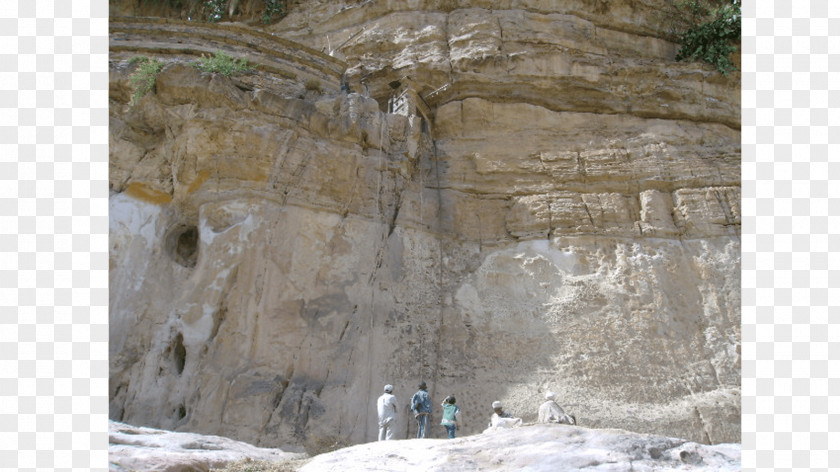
[(539, 448), (562, 213), (154, 450)]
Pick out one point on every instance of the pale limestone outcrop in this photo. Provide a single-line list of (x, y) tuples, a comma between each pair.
[(537, 448), (132, 448), (564, 216)]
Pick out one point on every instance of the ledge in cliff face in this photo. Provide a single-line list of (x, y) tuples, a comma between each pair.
[(502, 201)]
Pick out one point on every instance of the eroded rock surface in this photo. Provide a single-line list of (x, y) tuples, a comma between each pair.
[(547, 447), (132, 448), (554, 206), (538, 448)]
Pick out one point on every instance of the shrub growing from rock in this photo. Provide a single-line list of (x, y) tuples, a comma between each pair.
[(222, 63), (143, 79)]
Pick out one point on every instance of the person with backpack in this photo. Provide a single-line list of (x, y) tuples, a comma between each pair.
[(450, 416), (421, 405)]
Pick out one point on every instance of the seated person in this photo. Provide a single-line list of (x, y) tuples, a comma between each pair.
[(502, 419), (550, 412)]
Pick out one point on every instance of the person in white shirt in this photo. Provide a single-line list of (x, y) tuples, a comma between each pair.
[(550, 412), (386, 407), (501, 419)]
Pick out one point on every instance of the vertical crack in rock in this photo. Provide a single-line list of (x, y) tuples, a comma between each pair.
[(121, 388), (678, 215), (501, 33), (225, 398), (725, 207), (371, 318), (588, 213), (414, 170), (708, 439), (448, 46), (345, 209), (581, 167), (480, 239), (392, 223), (252, 348), (548, 200), (218, 318), (277, 170), (295, 175), (220, 314), (179, 353), (346, 324), (635, 204), (280, 388), (259, 278), (439, 234)]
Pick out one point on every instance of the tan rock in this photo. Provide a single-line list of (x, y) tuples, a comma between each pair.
[(553, 205)]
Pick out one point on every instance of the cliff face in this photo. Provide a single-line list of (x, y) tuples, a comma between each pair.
[(505, 198)]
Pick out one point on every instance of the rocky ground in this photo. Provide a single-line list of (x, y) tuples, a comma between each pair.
[(132, 448), (536, 448)]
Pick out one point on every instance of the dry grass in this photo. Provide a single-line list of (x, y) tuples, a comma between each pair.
[(322, 444), (312, 85), (249, 465), (314, 445)]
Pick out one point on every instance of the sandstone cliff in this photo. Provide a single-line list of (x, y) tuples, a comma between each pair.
[(498, 197)]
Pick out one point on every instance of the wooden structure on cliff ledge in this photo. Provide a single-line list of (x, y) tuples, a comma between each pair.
[(406, 101)]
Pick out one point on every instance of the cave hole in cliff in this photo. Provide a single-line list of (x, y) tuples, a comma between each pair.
[(182, 244), (179, 353), (182, 412)]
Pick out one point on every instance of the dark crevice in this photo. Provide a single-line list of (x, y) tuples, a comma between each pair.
[(393, 223), (181, 244), (179, 353), (344, 330), (278, 397), (218, 319)]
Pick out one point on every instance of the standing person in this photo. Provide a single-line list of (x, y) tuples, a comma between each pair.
[(386, 407), (550, 412), (421, 405), (450, 416)]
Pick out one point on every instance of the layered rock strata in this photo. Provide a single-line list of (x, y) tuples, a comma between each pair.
[(503, 201)]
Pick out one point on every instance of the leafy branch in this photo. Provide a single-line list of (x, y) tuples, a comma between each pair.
[(715, 37)]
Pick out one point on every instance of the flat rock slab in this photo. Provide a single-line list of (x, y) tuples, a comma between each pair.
[(148, 449), (535, 448)]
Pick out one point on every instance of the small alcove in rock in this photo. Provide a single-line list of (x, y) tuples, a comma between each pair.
[(181, 244)]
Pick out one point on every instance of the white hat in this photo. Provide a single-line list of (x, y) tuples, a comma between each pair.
[(497, 404), (550, 395), (389, 388)]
